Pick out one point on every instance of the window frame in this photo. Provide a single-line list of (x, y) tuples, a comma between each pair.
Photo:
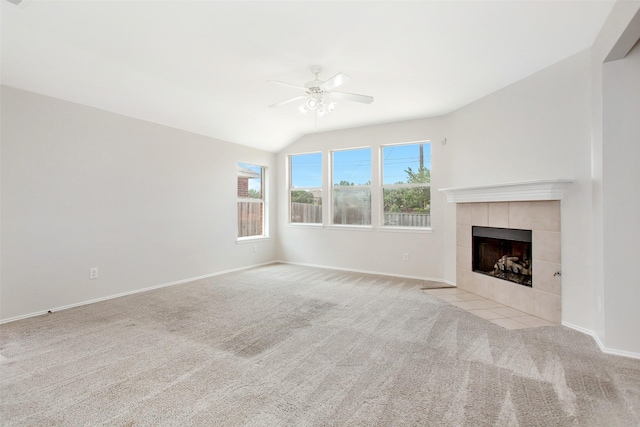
[(332, 188), (291, 188), (262, 200), (383, 187)]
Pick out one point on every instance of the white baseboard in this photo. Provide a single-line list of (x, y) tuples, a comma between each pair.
[(137, 291), (379, 273), (603, 348)]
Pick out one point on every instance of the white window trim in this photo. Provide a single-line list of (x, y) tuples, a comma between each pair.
[(250, 239), (265, 206), (330, 223), (394, 228), (290, 188)]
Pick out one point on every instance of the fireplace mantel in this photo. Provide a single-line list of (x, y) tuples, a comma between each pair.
[(552, 189)]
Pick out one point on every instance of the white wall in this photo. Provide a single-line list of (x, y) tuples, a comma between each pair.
[(374, 250), (144, 203), (615, 315), (621, 201), (537, 128)]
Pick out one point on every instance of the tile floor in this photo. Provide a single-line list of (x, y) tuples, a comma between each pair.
[(492, 311)]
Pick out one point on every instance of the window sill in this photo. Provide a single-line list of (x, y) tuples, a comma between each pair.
[(305, 225), (251, 239), (392, 229), (350, 227)]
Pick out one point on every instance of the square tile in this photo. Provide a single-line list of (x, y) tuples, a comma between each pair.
[(546, 246), (463, 256), (469, 297), (485, 304), (480, 214), (463, 213), (546, 215), (463, 277), (547, 306), (463, 235), (520, 215), (486, 314), (450, 297), (443, 291), (533, 321), (499, 291), (508, 312), (499, 214), (509, 323), (481, 282), (520, 298), (465, 305), (544, 278)]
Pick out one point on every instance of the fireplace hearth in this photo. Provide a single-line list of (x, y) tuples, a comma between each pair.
[(503, 253)]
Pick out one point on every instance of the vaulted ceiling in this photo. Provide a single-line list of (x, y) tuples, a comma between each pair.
[(203, 66)]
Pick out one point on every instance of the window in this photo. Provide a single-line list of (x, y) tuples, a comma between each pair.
[(406, 185), (250, 200), (351, 189), (305, 188)]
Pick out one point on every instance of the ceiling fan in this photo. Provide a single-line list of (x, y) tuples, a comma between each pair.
[(319, 95)]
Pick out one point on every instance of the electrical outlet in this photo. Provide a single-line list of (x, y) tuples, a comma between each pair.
[(93, 273), (255, 248), (405, 257)]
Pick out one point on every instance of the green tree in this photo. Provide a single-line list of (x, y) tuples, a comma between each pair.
[(301, 196), (255, 194), (410, 199), (422, 176)]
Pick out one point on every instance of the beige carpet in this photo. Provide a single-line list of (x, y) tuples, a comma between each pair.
[(286, 345)]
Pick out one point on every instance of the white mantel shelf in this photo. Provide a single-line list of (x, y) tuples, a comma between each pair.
[(552, 189)]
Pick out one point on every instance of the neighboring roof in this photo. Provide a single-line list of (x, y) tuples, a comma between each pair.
[(247, 173)]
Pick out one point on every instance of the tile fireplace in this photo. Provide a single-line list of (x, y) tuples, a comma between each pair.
[(531, 255), (541, 295)]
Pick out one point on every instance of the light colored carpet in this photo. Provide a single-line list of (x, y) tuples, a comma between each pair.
[(291, 345)]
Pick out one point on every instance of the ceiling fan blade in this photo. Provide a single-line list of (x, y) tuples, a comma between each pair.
[(287, 84), (351, 97), (287, 101), (335, 81)]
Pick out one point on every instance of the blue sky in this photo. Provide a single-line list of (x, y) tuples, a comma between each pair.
[(254, 183), (355, 165), (397, 158)]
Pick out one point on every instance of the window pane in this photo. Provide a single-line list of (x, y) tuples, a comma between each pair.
[(250, 219), (407, 170), (250, 203), (306, 170), (306, 206), (351, 206), (249, 181), (406, 164), (407, 207), (352, 167)]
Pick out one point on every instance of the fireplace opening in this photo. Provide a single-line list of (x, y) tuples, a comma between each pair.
[(504, 253)]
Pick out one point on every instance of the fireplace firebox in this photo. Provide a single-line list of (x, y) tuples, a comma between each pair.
[(504, 253)]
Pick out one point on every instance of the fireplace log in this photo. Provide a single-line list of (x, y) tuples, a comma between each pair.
[(511, 263)]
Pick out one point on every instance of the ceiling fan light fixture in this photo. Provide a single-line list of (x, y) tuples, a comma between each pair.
[(311, 104), (319, 95)]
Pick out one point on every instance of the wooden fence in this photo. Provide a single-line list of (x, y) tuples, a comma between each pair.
[(404, 219), (312, 214), (249, 219), (306, 213)]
